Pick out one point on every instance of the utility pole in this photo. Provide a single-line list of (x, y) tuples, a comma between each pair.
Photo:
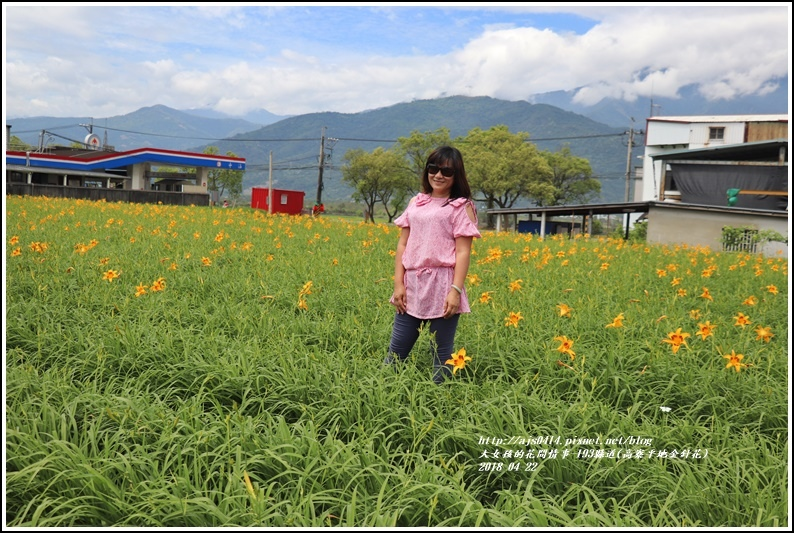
[(628, 160), (322, 164), (270, 185)]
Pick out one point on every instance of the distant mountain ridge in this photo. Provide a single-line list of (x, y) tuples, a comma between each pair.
[(617, 112), (162, 127), (262, 117), (295, 141)]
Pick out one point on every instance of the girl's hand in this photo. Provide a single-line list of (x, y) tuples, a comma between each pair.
[(452, 303), (399, 299)]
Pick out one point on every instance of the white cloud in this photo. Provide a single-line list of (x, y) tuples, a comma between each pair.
[(295, 60)]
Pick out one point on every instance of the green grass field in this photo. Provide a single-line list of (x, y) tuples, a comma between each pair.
[(199, 367)]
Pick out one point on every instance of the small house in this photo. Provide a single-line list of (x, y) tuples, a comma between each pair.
[(284, 201)]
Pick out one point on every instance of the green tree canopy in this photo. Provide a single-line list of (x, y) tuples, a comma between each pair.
[(571, 177), (502, 167), (378, 176), (417, 146), (17, 144), (224, 180)]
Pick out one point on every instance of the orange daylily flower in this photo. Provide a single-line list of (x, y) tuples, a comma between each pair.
[(735, 360), (458, 360), (751, 300), (564, 310), (565, 346), (513, 319), (516, 285), (706, 330), (706, 294), (307, 288), (485, 297), (676, 339), (110, 275), (772, 289), (764, 334), (617, 322), (742, 320)]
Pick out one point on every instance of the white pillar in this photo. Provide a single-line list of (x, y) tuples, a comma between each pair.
[(138, 174)]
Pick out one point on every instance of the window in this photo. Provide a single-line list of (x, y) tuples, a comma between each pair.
[(717, 134)]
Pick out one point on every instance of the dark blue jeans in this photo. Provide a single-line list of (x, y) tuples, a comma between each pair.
[(406, 332)]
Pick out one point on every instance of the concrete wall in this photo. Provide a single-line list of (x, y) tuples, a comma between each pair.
[(110, 195), (675, 225)]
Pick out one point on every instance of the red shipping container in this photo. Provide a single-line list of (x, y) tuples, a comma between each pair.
[(284, 201)]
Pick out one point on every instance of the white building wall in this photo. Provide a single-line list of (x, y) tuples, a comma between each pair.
[(699, 134), (672, 225)]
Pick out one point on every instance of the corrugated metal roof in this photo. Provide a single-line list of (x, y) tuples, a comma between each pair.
[(629, 207), (755, 151), (721, 118)]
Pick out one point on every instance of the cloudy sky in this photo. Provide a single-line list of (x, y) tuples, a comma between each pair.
[(67, 60)]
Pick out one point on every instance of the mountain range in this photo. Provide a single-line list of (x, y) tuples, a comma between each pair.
[(296, 142)]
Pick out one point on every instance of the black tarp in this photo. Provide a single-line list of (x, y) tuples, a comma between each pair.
[(708, 184)]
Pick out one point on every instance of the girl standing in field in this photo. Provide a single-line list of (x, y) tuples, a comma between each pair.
[(432, 259)]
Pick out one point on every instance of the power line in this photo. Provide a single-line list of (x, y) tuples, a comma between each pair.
[(302, 139), (48, 129)]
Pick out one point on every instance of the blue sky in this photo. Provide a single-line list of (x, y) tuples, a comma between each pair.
[(103, 60)]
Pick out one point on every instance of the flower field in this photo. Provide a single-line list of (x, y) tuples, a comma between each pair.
[(198, 367)]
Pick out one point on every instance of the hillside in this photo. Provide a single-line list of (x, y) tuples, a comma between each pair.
[(295, 141), (156, 126)]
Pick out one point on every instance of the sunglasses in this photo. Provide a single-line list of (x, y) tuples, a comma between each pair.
[(447, 172)]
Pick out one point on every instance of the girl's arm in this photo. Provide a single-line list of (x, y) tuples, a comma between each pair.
[(398, 298), (462, 260)]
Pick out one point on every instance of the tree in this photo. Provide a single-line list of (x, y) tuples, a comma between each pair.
[(502, 167), (224, 180), (417, 146), (380, 176), (571, 177), (17, 144)]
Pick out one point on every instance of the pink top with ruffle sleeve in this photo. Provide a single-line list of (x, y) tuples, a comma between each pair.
[(429, 256)]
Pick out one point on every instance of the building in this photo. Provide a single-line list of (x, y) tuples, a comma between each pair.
[(716, 152), (145, 175), (690, 168), (284, 201)]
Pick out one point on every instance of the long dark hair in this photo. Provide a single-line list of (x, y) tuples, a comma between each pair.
[(447, 156)]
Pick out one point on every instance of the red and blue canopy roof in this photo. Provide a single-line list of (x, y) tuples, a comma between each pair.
[(90, 161)]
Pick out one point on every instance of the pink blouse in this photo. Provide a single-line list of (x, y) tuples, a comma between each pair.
[(429, 256)]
